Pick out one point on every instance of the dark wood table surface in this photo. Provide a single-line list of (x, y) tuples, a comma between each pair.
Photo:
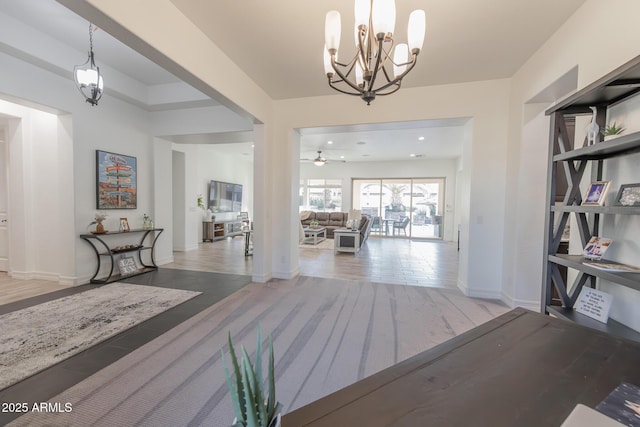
[(520, 369)]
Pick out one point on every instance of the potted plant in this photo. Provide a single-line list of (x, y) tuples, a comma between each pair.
[(98, 218), (611, 131), (251, 406)]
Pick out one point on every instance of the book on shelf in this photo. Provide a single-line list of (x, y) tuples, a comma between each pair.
[(596, 247), (614, 267)]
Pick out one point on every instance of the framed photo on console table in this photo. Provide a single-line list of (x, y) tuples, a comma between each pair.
[(116, 181), (596, 193), (628, 195), (127, 265)]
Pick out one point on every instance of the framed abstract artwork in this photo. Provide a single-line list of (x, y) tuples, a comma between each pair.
[(116, 181)]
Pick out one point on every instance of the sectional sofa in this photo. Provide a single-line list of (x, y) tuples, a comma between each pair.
[(334, 220)]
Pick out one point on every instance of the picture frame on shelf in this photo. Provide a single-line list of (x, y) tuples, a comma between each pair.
[(127, 265), (596, 247), (628, 195), (124, 224), (596, 193), (116, 181)]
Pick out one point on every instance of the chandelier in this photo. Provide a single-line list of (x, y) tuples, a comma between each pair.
[(87, 76), (369, 73)]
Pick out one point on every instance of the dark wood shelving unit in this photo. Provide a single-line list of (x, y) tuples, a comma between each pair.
[(104, 250), (565, 199)]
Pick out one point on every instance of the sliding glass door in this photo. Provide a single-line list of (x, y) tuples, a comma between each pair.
[(402, 207)]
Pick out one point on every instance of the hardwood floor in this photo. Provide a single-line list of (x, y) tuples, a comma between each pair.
[(381, 260), (12, 290)]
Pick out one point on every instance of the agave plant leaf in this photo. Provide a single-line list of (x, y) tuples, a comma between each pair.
[(233, 388), (248, 375), (242, 404), (258, 365), (273, 405), (252, 406)]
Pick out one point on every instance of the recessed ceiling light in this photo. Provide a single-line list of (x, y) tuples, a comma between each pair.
[(412, 155), (421, 138), (329, 142), (342, 157), (252, 145)]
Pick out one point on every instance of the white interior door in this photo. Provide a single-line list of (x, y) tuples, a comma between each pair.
[(4, 224)]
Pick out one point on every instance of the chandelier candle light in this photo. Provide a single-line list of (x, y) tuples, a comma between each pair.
[(87, 76), (374, 26)]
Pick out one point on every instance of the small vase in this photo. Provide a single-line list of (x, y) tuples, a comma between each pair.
[(99, 228)]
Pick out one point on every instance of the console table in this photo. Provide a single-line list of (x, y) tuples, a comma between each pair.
[(520, 369), (104, 245)]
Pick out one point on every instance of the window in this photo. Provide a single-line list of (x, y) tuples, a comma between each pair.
[(321, 195), (421, 200)]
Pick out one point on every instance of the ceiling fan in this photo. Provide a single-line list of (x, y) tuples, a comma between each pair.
[(319, 160)]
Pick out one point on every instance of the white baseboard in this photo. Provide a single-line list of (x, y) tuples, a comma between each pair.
[(185, 248), (479, 293), (533, 305), (51, 277), (261, 278), (286, 275), (163, 261)]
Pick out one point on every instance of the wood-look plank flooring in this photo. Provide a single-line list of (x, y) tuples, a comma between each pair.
[(431, 263), (12, 290)]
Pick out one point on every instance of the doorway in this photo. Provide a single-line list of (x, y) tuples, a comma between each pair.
[(402, 207)]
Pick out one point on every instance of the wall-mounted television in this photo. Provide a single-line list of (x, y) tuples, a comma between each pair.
[(225, 197)]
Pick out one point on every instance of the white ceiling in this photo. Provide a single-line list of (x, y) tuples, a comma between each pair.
[(279, 45)]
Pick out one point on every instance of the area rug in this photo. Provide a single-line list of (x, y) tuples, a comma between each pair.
[(37, 337), (326, 335), (326, 245)]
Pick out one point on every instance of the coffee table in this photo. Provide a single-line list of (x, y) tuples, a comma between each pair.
[(313, 236)]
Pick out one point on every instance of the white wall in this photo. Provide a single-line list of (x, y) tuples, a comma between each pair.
[(163, 199), (573, 45), (54, 169), (444, 168), (203, 163), (39, 201)]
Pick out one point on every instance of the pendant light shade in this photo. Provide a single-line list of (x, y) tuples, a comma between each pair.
[(416, 30), (87, 76)]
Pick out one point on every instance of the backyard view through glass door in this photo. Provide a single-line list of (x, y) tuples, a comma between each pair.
[(402, 207)]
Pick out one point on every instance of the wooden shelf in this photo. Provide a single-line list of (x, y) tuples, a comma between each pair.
[(566, 172), (612, 327), (613, 210), (612, 88), (116, 276), (576, 262), (622, 145), (218, 230)]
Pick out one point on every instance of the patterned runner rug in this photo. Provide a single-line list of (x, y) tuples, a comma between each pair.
[(37, 337)]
